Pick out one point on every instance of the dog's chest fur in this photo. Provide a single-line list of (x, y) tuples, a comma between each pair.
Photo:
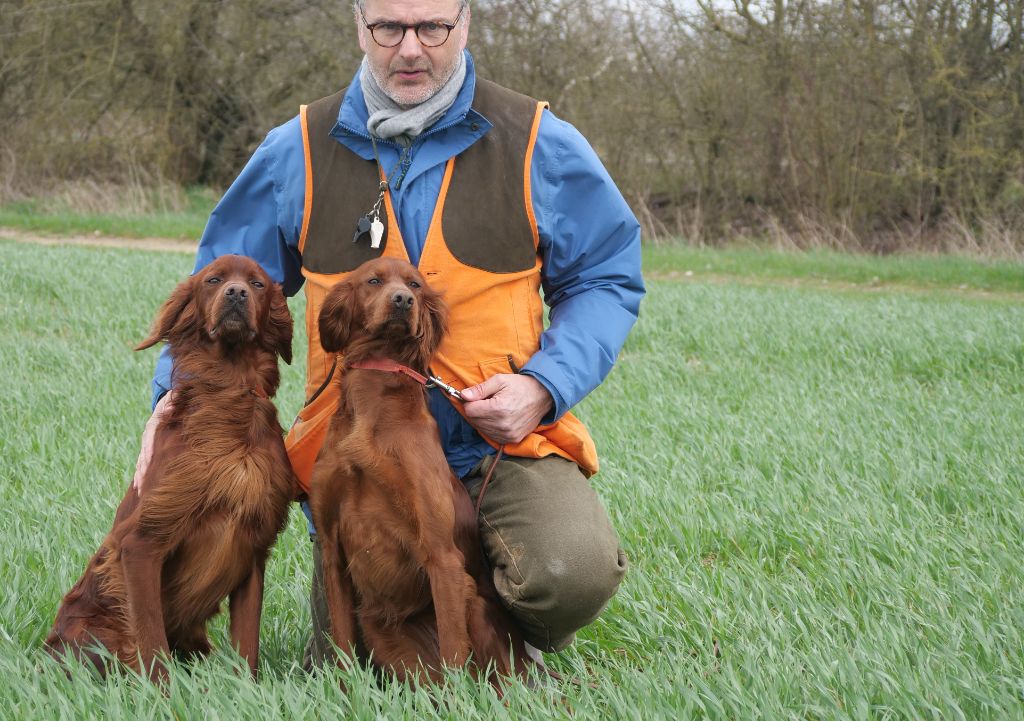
[(387, 483)]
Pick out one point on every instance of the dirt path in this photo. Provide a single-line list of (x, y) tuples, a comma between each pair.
[(189, 246), (99, 241)]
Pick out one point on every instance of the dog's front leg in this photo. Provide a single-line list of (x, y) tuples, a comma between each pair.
[(141, 565), (340, 594), (449, 587), (246, 608)]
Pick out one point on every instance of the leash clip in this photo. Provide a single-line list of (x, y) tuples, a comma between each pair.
[(434, 381)]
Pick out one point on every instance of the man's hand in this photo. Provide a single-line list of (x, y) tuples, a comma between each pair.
[(507, 407), (163, 408)]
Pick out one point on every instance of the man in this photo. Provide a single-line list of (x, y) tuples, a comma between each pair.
[(492, 197)]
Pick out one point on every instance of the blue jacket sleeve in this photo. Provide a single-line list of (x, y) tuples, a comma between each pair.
[(260, 216), (590, 245)]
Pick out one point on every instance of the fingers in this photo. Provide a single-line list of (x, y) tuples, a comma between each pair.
[(484, 390), (506, 408), (163, 408), (141, 466), (145, 453)]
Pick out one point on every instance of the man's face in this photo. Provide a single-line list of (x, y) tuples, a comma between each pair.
[(410, 73)]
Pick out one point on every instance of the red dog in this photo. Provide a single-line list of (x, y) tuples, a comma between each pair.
[(217, 492), (403, 567)]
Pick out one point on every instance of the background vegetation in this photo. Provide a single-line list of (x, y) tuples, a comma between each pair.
[(821, 491), (860, 124)]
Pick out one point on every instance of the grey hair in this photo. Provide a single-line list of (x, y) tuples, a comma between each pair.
[(360, 5)]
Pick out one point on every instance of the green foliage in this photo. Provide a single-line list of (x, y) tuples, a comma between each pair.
[(825, 487)]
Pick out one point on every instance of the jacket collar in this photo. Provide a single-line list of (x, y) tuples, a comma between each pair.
[(350, 128)]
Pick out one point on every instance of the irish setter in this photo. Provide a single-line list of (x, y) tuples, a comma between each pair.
[(216, 494), (404, 571)]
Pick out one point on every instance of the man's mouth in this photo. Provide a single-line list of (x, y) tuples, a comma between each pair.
[(411, 74)]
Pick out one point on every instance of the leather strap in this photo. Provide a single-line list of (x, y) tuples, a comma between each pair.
[(386, 364)]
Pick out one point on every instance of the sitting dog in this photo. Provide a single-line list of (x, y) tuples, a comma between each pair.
[(216, 493), (404, 572)]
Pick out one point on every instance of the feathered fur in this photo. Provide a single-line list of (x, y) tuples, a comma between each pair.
[(217, 491)]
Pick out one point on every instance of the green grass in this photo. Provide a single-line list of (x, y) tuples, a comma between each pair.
[(827, 487), (61, 219), (922, 271)]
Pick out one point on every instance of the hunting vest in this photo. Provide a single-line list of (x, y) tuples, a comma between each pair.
[(481, 252)]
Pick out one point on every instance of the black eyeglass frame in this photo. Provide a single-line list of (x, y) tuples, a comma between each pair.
[(406, 28)]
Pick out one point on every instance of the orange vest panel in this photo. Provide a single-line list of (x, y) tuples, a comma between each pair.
[(494, 318)]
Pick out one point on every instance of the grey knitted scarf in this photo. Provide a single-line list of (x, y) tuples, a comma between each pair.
[(402, 123)]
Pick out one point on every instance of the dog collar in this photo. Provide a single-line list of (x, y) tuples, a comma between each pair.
[(390, 366)]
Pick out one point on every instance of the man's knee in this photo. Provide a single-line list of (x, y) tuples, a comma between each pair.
[(565, 588), (555, 554)]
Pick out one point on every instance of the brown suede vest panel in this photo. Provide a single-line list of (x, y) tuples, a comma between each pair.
[(488, 226), (485, 224), (345, 187)]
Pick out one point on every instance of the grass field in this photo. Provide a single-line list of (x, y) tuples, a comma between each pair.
[(167, 212), (826, 486)]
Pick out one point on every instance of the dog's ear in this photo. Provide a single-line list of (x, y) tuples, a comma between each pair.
[(177, 316), (277, 332), (433, 322), (336, 318)]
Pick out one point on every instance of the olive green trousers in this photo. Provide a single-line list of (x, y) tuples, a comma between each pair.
[(554, 555)]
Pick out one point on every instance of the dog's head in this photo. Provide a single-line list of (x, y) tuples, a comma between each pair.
[(384, 307), (232, 302)]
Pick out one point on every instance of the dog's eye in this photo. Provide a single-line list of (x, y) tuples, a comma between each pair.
[(213, 281), (413, 284), (374, 281), (256, 283)]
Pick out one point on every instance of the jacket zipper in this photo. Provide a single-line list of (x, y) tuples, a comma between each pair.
[(406, 161)]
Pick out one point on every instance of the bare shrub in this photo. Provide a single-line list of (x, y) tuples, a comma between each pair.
[(871, 126)]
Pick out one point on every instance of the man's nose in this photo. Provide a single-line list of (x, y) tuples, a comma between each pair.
[(410, 47)]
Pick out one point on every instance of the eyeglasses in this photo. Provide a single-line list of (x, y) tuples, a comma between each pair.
[(430, 34)]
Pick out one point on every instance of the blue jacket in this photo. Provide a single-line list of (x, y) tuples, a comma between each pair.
[(589, 240)]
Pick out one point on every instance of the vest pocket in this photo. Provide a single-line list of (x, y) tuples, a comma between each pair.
[(501, 364)]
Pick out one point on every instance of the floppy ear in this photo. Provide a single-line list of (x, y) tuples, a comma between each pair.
[(277, 331), (433, 321), (336, 318), (177, 316)]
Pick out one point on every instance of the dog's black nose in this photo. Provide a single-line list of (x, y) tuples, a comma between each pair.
[(402, 300), (236, 292)]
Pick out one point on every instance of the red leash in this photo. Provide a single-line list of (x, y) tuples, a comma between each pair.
[(487, 478), (390, 366), (386, 364)]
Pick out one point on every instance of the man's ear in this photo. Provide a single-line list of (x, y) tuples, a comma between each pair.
[(336, 318), (177, 316), (278, 332), (361, 32), (464, 38)]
